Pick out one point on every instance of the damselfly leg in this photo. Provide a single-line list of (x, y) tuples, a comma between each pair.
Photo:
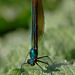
[(22, 67), (46, 57), (24, 62), (27, 56), (43, 62), (41, 68)]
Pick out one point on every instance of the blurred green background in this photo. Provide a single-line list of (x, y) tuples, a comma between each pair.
[(58, 39)]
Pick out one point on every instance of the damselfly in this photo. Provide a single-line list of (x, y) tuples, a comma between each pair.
[(37, 29)]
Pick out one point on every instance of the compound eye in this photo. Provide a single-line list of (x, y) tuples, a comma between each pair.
[(35, 60), (28, 61)]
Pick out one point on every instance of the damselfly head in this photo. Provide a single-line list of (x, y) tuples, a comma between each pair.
[(31, 62)]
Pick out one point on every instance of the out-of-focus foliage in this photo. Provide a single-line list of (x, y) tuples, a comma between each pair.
[(51, 4), (57, 42), (14, 14)]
